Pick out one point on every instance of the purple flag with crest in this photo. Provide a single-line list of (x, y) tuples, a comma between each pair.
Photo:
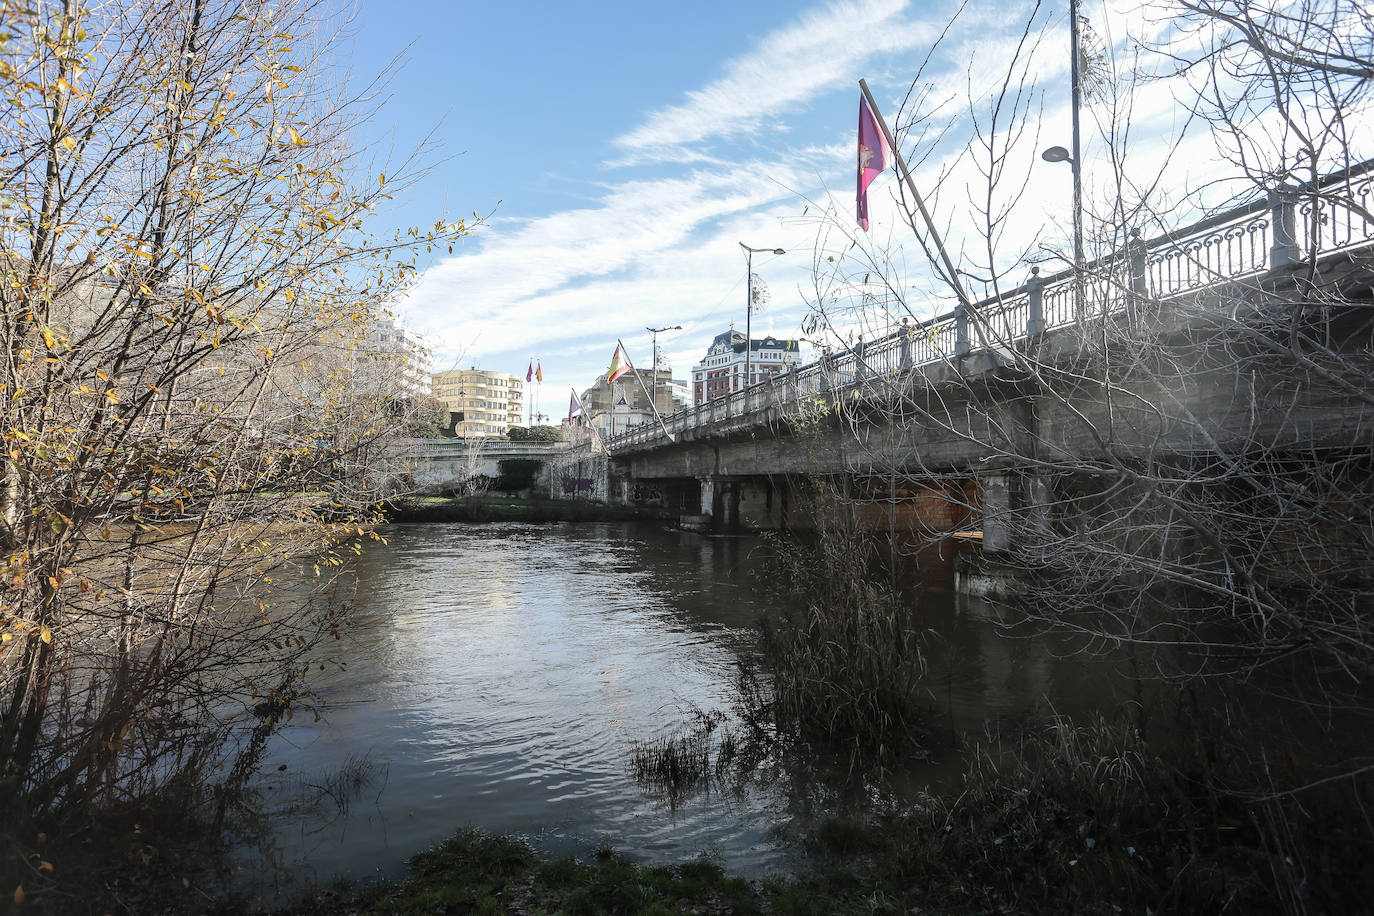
[(874, 156)]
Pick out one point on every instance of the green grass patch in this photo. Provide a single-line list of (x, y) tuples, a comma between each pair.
[(478, 872)]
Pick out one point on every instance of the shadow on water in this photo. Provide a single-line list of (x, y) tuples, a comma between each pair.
[(975, 669)]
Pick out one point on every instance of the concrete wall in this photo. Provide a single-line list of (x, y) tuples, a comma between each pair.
[(434, 464)]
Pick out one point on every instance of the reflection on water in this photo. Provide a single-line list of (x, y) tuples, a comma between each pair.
[(500, 674)]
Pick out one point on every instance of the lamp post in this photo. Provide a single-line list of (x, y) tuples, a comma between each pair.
[(653, 396), (749, 307), (1059, 154), (1075, 161)]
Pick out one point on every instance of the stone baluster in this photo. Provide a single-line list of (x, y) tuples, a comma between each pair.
[(1035, 304), (1283, 249)]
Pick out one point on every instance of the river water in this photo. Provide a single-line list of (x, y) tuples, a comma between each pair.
[(499, 676)]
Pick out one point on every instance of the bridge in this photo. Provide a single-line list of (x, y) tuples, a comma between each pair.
[(1170, 349)]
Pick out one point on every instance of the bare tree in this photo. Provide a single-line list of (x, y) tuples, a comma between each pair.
[(187, 280), (1173, 447)]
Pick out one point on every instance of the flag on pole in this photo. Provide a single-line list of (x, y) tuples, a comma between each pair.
[(539, 372), (874, 156), (573, 406), (619, 364), (529, 373)]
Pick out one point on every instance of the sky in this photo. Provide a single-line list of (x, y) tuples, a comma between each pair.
[(621, 152)]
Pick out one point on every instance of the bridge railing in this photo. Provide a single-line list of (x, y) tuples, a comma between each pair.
[(1269, 233)]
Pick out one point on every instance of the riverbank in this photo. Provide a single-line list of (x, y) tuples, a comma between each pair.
[(1048, 818), (1057, 819), (480, 509)]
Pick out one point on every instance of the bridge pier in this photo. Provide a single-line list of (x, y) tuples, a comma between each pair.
[(996, 487), (708, 496), (742, 502)]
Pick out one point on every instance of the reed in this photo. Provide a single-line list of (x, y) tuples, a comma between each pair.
[(843, 662), (673, 765)]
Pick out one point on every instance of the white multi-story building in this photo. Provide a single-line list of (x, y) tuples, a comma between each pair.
[(681, 393), (722, 370), (401, 358)]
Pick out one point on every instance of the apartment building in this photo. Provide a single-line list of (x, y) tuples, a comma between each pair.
[(487, 403), (399, 359)]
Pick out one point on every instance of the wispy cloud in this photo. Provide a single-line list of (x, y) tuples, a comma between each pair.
[(655, 242), (662, 249), (787, 68)]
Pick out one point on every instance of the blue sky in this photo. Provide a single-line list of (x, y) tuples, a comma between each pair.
[(632, 146)]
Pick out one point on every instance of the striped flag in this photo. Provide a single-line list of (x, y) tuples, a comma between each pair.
[(619, 364)]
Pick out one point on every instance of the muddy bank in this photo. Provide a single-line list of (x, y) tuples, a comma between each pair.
[(496, 509)]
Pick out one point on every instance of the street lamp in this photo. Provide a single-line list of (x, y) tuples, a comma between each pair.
[(654, 331), (749, 308), (1059, 154), (1074, 159)]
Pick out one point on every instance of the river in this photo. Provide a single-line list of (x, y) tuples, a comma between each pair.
[(499, 676)]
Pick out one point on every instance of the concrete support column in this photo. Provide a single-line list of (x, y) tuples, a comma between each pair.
[(760, 504), (1038, 498), (996, 512), (708, 495)]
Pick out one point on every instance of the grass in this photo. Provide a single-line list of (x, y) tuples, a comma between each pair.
[(478, 872)]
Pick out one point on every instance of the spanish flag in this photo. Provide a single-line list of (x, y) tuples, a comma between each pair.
[(619, 364)]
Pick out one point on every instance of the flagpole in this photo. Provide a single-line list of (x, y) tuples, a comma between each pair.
[(645, 388), (920, 202), (591, 425)]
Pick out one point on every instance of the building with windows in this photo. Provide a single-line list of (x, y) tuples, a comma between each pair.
[(615, 407), (400, 359), (487, 403), (721, 371)]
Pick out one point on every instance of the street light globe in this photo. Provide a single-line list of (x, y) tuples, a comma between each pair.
[(1056, 154)]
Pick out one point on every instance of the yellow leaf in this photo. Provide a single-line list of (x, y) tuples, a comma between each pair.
[(69, 143), (295, 137), (49, 339), (19, 895), (6, 637), (381, 181)]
